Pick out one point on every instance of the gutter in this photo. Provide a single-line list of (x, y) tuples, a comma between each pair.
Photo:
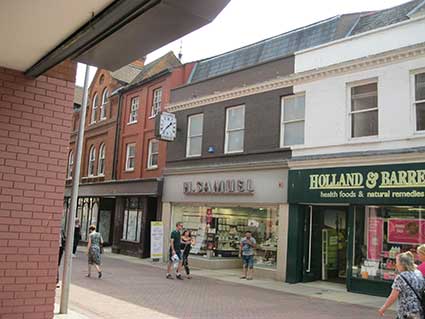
[(144, 81), (111, 19)]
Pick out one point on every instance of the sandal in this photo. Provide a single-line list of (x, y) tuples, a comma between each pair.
[(243, 277)]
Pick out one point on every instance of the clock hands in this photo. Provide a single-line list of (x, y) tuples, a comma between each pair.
[(164, 129)]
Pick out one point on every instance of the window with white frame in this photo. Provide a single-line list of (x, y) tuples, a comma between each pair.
[(70, 164), (364, 110), (194, 135), (130, 161), (235, 129), (292, 120), (94, 109), (92, 161), (134, 108), (156, 101), (101, 163), (153, 153), (133, 212), (420, 101), (105, 95)]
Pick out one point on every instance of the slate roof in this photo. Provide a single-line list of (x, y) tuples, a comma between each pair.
[(385, 17), (310, 36), (126, 74), (167, 61)]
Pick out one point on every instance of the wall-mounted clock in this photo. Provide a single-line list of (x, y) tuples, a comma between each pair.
[(166, 126)]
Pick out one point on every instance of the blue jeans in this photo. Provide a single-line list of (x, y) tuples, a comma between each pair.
[(248, 261)]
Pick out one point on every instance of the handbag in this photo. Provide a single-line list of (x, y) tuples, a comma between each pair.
[(420, 295)]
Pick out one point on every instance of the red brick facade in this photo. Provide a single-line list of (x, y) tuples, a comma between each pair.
[(35, 117)]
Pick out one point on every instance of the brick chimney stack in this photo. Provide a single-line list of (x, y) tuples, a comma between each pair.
[(139, 63)]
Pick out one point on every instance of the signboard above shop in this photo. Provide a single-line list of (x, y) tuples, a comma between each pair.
[(383, 184)]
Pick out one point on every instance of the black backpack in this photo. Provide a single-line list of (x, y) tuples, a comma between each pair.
[(420, 295)]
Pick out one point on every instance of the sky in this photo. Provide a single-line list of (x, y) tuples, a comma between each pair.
[(244, 22)]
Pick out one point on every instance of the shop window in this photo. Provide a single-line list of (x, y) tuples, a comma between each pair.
[(420, 101), (105, 95), (292, 124), (132, 219), (88, 213), (92, 160), (134, 108), (380, 234), (94, 110), (217, 231), (195, 125), (153, 154), (130, 161), (364, 110), (101, 164), (156, 102), (235, 129), (70, 165)]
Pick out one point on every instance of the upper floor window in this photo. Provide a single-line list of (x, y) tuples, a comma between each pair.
[(134, 107), (70, 164), (156, 101), (292, 120), (235, 129), (105, 95), (101, 164), (420, 101), (92, 160), (153, 154), (194, 135), (94, 110), (130, 161), (364, 110)]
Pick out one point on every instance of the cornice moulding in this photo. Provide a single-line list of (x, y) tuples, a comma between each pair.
[(360, 64)]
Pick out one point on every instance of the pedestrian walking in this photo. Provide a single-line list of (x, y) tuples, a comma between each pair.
[(175, 255), (406, 288), (62, 242), (246, 251), (94, 248), (421, 255), (186, 245), (77, 237)]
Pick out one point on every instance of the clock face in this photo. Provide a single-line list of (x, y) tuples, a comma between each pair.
[(167, 126)]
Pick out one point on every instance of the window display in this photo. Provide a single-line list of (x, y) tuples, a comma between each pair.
[(218, 230), (381, 233), (132, 219)]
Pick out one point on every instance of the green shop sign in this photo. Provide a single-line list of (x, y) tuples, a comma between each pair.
[(383, 184)]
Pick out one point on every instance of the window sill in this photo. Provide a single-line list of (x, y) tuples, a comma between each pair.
[(131, 123), (152, 168), (152, 117), (129, 170), (233, 152), (102, 119), (194, 156), (363, 139)]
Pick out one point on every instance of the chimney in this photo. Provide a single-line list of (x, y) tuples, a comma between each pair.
[(139, 63)]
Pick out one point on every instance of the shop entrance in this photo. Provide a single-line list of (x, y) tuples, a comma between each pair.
[(325, 248)]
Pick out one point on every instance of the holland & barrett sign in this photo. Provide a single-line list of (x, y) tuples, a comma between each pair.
[(383, 184)]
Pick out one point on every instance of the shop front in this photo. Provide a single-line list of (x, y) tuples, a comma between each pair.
[(349, 223), (218, 208)]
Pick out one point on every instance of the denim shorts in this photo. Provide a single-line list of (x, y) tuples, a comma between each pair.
[(248, 261)]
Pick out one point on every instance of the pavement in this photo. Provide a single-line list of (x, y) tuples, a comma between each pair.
[(136, 288)]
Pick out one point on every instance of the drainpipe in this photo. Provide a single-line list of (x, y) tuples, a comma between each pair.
[(117, 137)]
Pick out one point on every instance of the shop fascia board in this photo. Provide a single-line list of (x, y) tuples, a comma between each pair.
[(253, 166), (364, 159), (129, 29), (357, 65)]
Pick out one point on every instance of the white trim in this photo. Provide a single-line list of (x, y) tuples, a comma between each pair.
[(102, 156), (350, 112), (150, 166), (70, 165), (103, 104), (188, 137), (365, 63), (226, 139), (133, 114), (127, 168), (282, 122), (156, 102), (93, 116), (413, 102), (92, 150)]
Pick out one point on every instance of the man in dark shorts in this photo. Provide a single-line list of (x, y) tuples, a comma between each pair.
[(246, 250), (175, 253)]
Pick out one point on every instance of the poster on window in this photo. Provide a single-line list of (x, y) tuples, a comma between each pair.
[(406, 231), (157, 240), (375, 238)]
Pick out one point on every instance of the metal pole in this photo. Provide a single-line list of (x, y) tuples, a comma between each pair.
[(67, 266)]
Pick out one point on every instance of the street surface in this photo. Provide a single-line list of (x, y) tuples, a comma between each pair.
[(129, 290)]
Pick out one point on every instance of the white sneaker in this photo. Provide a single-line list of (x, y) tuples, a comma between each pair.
[(73, 255)]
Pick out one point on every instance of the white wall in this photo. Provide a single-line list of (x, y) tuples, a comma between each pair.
[(327, 105), (373, 42)]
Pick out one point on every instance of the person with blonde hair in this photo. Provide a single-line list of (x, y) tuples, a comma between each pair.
[(94, 250), (421, 255), (406, 288)]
